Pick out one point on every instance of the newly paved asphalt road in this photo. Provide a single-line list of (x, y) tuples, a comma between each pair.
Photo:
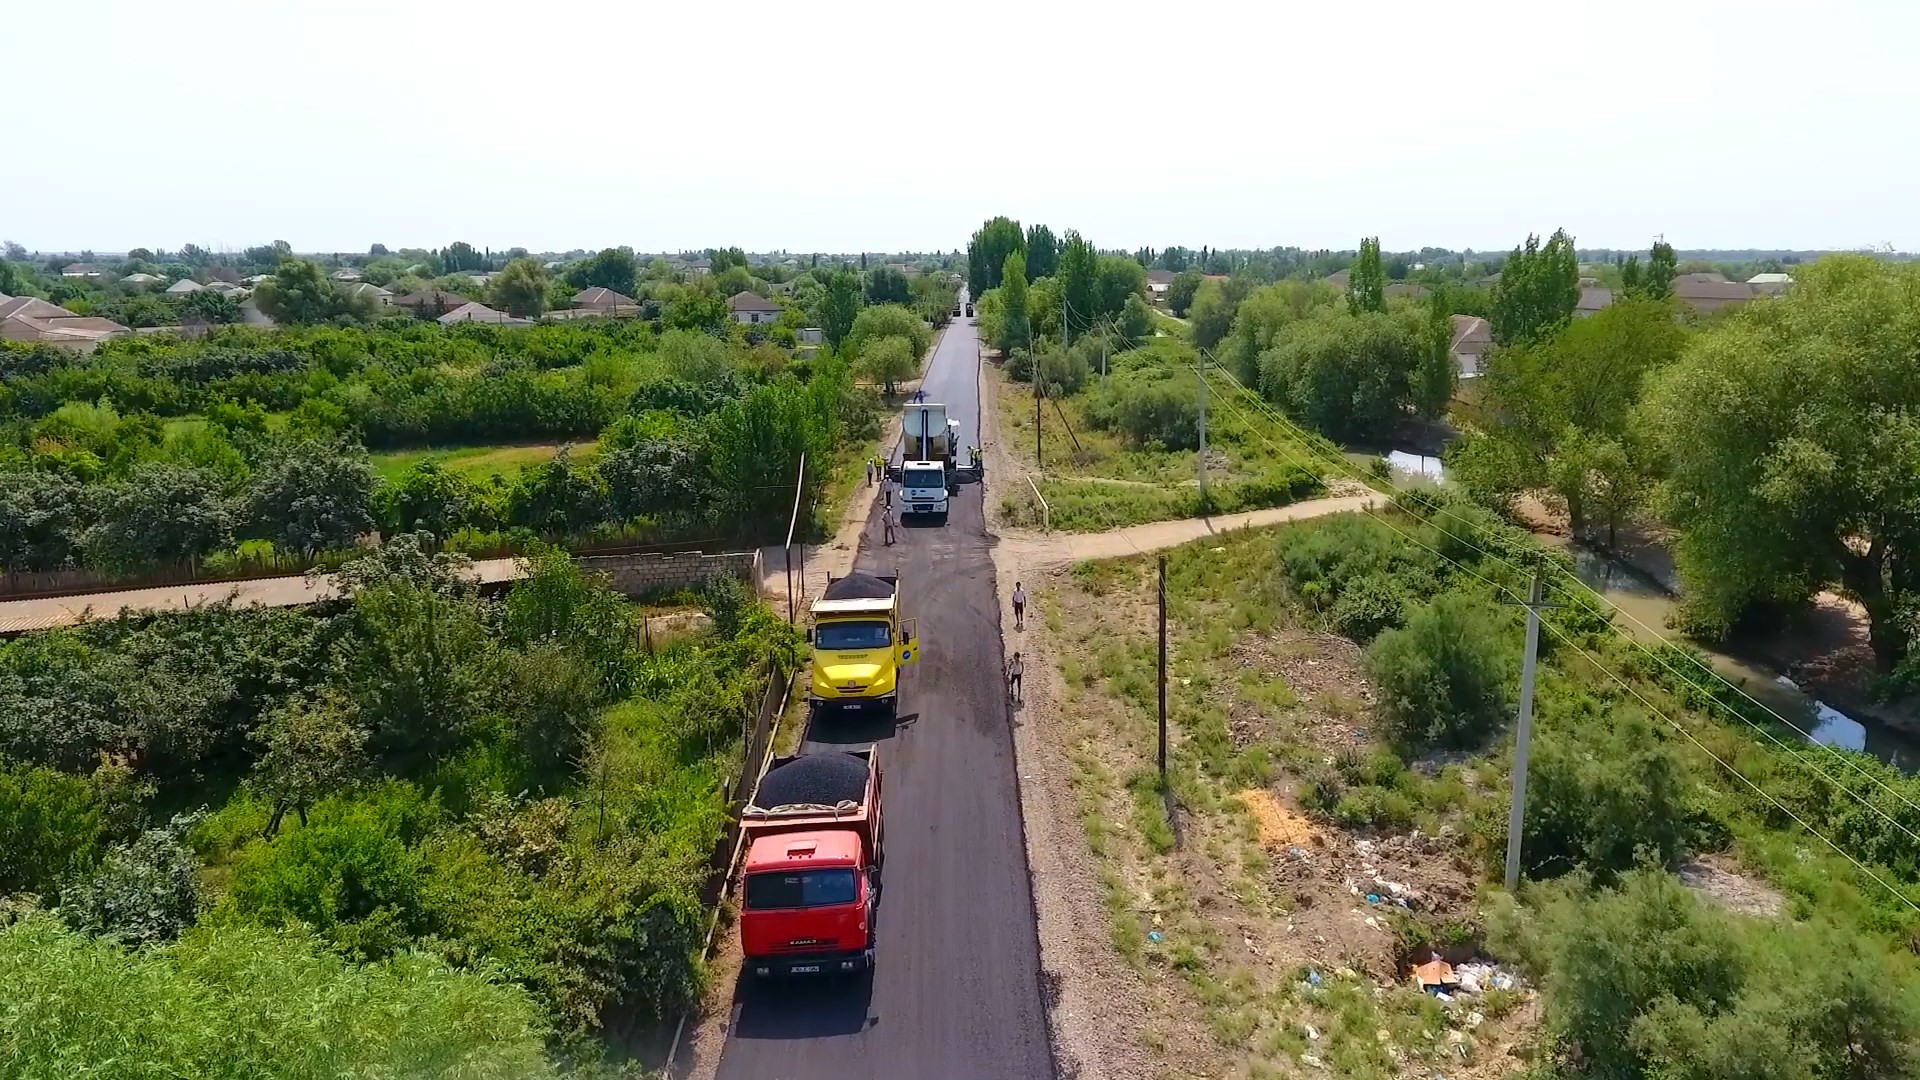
[(956, 992)]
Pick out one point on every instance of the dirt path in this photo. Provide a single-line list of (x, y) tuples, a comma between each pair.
[(1054, 550)]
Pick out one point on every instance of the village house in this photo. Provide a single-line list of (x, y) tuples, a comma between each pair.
[(1708, 291), (751, 310), (1472, 338), (34, 321)]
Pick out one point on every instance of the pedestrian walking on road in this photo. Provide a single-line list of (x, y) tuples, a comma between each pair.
[(887, 516), (1014, 670), (1019, 606), (869, 472)]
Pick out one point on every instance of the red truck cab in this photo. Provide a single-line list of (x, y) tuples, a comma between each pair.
[(811, 880)]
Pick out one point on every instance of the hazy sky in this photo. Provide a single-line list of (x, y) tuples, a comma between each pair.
[(845, 126)]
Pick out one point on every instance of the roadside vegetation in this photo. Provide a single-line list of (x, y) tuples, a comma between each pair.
[(412, 807), (1341, 698)]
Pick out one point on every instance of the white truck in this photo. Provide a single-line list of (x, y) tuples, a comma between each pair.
[(930, 444)]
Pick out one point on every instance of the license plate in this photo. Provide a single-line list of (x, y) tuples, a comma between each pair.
[(805, 969), (922, 508)]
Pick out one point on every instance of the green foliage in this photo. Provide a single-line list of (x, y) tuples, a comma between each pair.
[(1444, 677), (1538, 289), (885, 285), (1347, 376), (888, 360), (162, 512), (52, 826), (1014, 319), (1789, 437), (1366, 281), (415, 667), (1211, 314), (612, 268), (521, 288), (310, 748), (891, 320), (1180, 291), (1661, 268), (1043, 252), (312, 496), (215, 1005), (1648, 981), (1078, 274), (299, 292), (1150, 406), (142, 893), (987, 253), (841, 308)]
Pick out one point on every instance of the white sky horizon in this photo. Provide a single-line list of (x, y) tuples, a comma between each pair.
[(862, 126)]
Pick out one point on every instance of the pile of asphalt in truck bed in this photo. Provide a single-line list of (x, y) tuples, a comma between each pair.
[(857, 586), (814, 780)]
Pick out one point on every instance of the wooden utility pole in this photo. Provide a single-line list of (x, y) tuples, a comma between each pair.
[(1163, 672), (1203, 432)]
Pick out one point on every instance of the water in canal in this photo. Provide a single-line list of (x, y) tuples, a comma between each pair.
[(1643, 611)]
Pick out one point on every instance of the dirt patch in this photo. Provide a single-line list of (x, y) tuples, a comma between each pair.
[(1722, 881), (1280, 828)]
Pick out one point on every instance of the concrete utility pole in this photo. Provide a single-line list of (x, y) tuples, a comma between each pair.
[(1163, 672), (1517, 814), (1203, 432)]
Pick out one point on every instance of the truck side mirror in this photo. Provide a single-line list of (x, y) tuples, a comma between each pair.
[(906, 637), (809, 635)]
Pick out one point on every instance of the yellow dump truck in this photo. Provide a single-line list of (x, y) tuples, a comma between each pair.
[(860, 644)]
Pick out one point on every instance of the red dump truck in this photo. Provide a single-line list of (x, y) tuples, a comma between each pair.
[(813, 865)]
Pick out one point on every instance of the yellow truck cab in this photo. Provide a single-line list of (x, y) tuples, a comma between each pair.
[(860, 644)]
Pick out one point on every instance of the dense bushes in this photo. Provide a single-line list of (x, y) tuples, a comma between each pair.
[(1444, 677), (241, 1003), (511, 784), (1649, 981), (1346, 376), (1151, 406)]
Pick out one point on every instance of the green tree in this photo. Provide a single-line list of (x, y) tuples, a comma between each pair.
[(891, 320), (987, 253), (1436, 374), (1180, 291), (52, 827), (142, 893), (1015, 328), (1661, 268), (1539, 288), (557, 497), (460, 257), (311, 496), (697, 307), (41, 518), (840, 307), (310, 748), (432, 497), (1347, 376), (612, 268), (1366, 281), (1043, 252), (885, 285), (414, 667), (661, 475), (1117, 279), (1211, 315), (1079, 275), (1136, 321), (887, 360), (1633, 281), (1789, 437), (211, 306), (299, 292), (161, 513), (521, 289), (1443, 677)]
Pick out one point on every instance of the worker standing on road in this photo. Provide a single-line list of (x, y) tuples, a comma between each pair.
[(869, 472), (1014, 670), (888, 520), (1019, 606)]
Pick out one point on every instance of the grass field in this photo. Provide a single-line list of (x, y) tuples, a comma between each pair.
[(478, 462), (1096, 480)]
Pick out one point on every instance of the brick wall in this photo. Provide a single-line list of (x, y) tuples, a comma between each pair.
[(644, 575)]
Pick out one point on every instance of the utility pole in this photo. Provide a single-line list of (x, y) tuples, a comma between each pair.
[(1517, 815), (1163, 672), (1203, 432), (1039, 430)]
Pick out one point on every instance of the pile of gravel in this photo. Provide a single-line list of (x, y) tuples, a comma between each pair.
[(814, 780)]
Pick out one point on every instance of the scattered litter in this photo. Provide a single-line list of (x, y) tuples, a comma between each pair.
[(1373, 922), (1154, 936), (1313, 1033), (1383, 1035), (1443, 996), (1313, 977), (1373, 898), (1435, 975), (1309, 1059), (1280, 827), (1475, 1019), (1480, 976)]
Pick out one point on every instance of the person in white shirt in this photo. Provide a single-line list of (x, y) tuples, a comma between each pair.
[(1019, 606), (1014, 670)]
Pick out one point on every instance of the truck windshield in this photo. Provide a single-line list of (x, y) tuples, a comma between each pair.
[(923, 478), (808, 888), (837, 636)]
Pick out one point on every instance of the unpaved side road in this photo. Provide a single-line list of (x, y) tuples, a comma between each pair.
[(1099, 1010)]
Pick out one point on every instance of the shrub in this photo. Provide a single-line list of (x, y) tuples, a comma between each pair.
[(51, 826), (1062, 372), (240, 1003), (1443, 677), (1371, 605), (1146, 410), (142, 893)]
